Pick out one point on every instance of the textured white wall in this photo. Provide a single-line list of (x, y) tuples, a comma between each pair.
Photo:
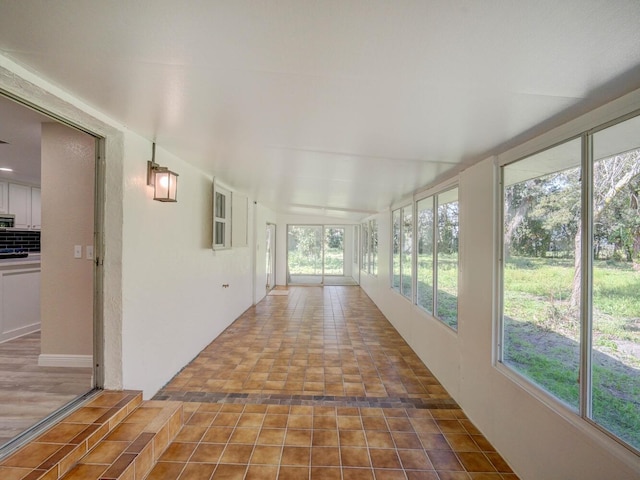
[(173, 300)]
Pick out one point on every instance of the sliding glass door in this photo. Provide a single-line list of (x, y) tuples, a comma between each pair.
[(319, 255)]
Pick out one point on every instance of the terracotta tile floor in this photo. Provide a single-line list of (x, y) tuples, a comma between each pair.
[(318, 384)]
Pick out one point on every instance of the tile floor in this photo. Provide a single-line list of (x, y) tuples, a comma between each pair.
[(318, 384), (56, 451)]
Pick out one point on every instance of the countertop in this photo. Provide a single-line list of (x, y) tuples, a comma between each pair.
[(32, 259)]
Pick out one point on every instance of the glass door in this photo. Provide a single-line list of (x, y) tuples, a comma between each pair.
[(304, 254)]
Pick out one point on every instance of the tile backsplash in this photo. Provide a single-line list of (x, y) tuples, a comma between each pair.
[(28, 240)]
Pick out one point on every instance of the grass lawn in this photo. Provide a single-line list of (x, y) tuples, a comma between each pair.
[(542, 336), (312, 264)]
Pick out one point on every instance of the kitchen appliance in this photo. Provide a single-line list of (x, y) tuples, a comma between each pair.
[(7, 220)]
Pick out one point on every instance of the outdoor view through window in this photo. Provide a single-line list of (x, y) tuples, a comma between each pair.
[(545, 271)]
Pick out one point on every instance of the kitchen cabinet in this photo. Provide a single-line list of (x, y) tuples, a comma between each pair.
[(19, 298), (25, 204), (36, 210), (20, 204), (4, 197)]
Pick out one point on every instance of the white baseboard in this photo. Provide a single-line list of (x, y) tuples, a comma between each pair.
[(57, 360)]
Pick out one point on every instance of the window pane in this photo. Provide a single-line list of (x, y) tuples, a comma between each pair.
[(374, 247), (220, 205), (395, 282), (447, 251), (304, 252), (334, 251), (541, 299), (425, 254), (219, 233), (407, 244), (365, 248), (615, 350)]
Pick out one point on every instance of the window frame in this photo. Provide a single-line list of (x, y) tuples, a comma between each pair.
[(434, 193), (583, 415), (226, 221)]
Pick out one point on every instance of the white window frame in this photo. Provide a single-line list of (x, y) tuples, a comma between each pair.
[(581, 417), (224, 220)]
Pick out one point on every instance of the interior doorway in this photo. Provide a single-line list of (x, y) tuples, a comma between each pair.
[(270, 243), (48, 352), (320, 255)]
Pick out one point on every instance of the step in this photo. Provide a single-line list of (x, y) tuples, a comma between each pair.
[(130, 450), (55, 452)]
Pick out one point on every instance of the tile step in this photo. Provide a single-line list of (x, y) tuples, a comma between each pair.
[(115, 435), (130, 450)]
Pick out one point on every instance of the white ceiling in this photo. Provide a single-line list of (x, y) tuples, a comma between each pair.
[(337, 104)]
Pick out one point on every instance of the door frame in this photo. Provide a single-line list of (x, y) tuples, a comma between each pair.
[(98, 370), (272, 228)]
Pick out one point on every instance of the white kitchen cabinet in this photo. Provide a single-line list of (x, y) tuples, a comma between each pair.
[(19, 301), (4, 197), (20, 204), (36, 210)]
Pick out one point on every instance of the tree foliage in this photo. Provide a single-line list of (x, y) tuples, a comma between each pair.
[(542, 215)]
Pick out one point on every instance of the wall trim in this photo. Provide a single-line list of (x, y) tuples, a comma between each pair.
[(59, 360)]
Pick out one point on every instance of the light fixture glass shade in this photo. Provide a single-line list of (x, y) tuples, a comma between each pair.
[(165, 188)]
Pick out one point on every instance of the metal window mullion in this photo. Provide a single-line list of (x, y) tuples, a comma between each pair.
[(414, 255), (501, 264), (434, 246), (392, 259), (586, 279)]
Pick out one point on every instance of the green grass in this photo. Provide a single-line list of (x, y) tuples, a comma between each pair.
[(447, 286), (312, 264), (542, 335)]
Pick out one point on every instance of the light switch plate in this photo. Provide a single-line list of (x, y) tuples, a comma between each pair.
[(77, 251), (89, 252)]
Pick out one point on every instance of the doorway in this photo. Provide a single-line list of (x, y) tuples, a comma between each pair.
[(47, 346), (270, 247), (320, 255)]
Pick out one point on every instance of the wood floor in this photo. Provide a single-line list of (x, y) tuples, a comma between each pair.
[(28, 392)]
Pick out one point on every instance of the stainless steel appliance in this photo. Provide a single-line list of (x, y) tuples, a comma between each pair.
[(7, 220)]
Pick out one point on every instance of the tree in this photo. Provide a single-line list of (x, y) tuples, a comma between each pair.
[(611, 177)]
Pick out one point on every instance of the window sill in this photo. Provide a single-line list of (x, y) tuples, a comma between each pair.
[(605, 440)]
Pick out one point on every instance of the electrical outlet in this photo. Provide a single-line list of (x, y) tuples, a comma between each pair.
[(89, 252), (77, 251)]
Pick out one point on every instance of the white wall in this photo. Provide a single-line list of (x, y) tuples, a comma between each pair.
[(174, 303)]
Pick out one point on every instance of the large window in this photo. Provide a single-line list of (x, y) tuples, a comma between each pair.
[(395, 246), (364, 261), (406, 251), (370, 247), (438, 281), (447, 258), (402, 256), (570, 273), (425, 254)]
